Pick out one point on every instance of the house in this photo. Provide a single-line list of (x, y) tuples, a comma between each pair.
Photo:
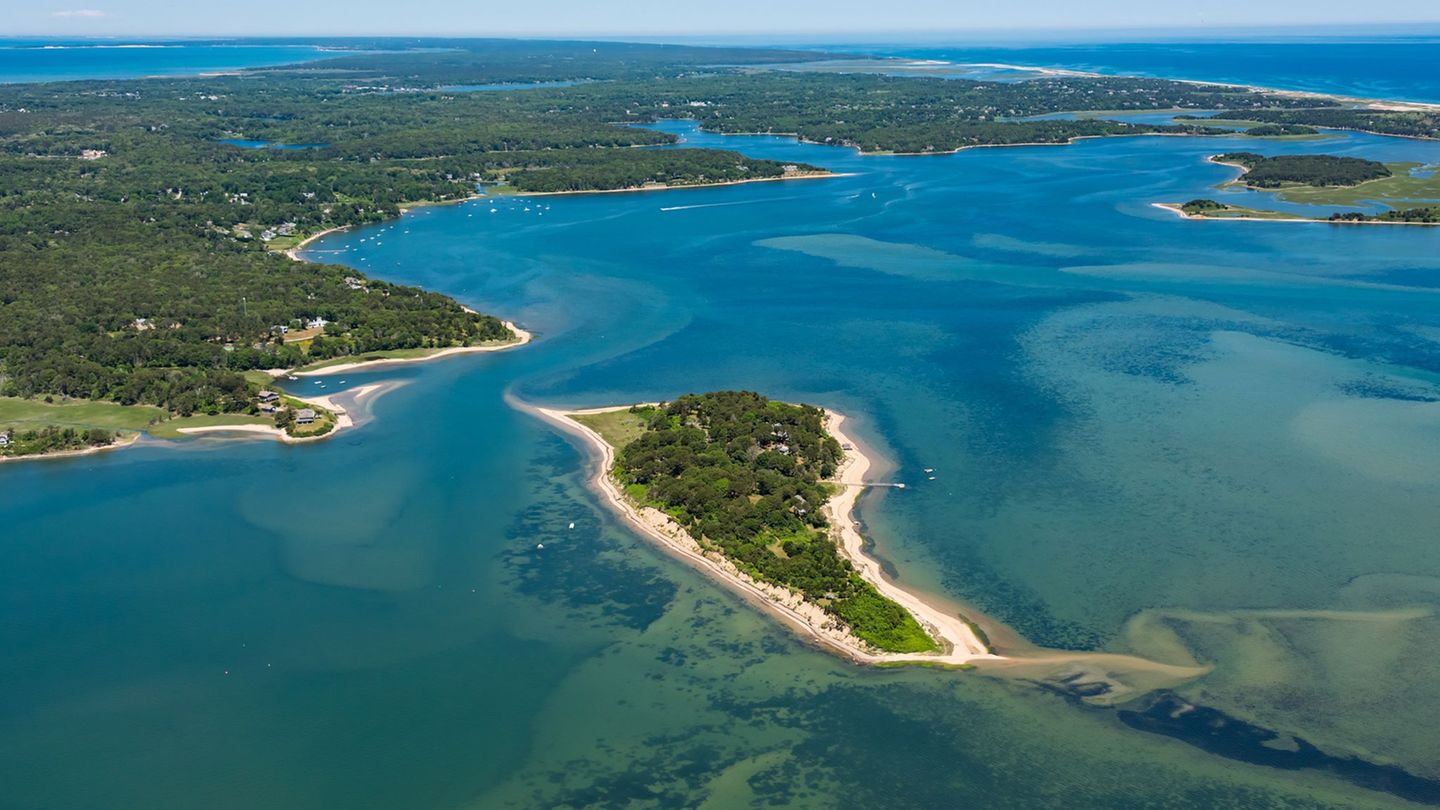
[(269, 408), (268, 396), (316, 323), (279, 329), (285, 229), (92, 154), (267, 234), (4, 438), (305, 416)]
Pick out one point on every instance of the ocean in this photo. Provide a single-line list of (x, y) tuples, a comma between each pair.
[(36, 60), (1149, 436)]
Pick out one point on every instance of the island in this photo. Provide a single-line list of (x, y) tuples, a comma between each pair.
[(1407, 188), (760, 494)]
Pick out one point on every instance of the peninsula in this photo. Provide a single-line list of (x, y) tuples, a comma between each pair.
[(760, 494)]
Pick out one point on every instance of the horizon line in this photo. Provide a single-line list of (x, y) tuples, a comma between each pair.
[(1360, 29)]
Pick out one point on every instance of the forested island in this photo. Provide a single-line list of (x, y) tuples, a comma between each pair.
[(1304, 170), (747, 478), (1325, 180)]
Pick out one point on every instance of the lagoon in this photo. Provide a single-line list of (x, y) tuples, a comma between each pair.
[(1149, 436)]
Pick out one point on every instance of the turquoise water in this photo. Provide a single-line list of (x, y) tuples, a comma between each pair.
[(34, 60), (1151, 436)]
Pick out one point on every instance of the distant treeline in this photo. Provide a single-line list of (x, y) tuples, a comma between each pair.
[(1429, 215), (1385, 122)]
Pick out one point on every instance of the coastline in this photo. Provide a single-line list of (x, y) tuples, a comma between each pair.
[(523, 337), (343, 419), (644, 189), (118, 444), (1177, 210), (961, 645)]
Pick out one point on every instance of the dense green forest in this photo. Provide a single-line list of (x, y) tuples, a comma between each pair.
[(746, 476), (1414, 124), (1307, 170)]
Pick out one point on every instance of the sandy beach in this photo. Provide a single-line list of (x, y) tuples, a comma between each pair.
[(959, 642), (1178, 210), (335, 403)]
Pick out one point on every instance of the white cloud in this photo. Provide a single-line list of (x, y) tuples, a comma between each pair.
[(79, 12)]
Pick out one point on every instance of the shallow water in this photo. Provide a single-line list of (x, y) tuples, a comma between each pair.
[(45, 60), (1150, 435)]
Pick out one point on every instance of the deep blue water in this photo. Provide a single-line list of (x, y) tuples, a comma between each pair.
[(1150, 436), (32, 60), (1395, 67)]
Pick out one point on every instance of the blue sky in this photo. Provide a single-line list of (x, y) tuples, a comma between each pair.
[(678, 17)]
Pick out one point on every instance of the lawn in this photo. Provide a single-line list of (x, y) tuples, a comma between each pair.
[(617, 428), (171, 429), (78, 413)]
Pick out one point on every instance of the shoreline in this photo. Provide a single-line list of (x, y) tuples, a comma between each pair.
[(644, 189), (1177, 210), (522, 337), (960, 645), (343, 418), (118, 444)]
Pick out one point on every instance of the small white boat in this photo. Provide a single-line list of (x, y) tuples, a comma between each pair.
[(292, 378), (540, 546), (572, 524), (929, 469)]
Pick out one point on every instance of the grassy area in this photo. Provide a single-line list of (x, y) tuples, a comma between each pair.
[(617, 428), (79, 413), (171, 429), (1401, 190), (1241, 212)]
